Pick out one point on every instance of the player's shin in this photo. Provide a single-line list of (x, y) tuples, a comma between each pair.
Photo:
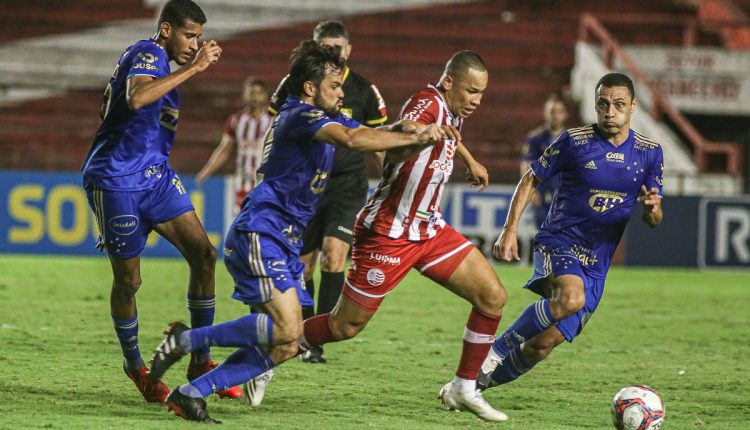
[(512, 367), (479, 334), (202, 310), (250, 330), (241, 366), (317, 331)]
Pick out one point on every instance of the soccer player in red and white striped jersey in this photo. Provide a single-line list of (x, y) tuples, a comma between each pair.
[(401, 228), (245, 130)]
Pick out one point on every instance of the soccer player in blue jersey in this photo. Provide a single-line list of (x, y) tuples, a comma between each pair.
[(132, 189), (263, 244), (606, 170)]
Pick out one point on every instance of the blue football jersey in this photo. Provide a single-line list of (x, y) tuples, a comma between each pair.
[(130, 143), (599, 186), (292, 175)]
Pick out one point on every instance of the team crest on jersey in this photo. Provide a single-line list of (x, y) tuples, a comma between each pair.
[(602, 201), (124, 225), (375, 277)]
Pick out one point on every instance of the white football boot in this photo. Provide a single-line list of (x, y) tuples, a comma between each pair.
[(471, 400), (255, 388)]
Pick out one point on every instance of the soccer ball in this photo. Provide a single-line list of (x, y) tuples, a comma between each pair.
[(637, 408)]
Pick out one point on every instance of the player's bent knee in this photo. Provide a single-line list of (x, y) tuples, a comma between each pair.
[(286, 333), (126, 286), (491, 299)]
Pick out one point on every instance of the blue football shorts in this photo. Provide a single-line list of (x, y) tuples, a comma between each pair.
[(259, 265), (125, 218), (556, 261)]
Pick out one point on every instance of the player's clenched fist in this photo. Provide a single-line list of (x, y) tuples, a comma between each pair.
[(431, 134), (208, 54)]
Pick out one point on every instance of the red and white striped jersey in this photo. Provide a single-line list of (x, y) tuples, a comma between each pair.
[(407, 201), (247, 132)]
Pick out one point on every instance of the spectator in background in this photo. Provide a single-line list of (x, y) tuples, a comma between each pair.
[(555, 116), (244, 131)]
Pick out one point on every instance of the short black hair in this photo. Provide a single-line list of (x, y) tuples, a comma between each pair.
[(310, 61), (330, 29), (462, 61), (616, 80), (178, 12)]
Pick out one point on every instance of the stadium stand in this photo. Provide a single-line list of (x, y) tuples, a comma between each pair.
[(529, 47)]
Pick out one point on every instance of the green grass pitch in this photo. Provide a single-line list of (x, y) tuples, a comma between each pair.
[(683, 332)]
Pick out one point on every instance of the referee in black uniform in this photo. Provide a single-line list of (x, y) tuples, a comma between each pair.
[(330, 230)]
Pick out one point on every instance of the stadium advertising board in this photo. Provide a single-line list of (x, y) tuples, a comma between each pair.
[(47, 213), (696, 232), (724, 233), (697, 79)]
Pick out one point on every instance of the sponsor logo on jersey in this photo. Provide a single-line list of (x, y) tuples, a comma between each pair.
[(227, 252), (387, 259), (418, 109), (582, 139), (315, 115), (347, 112), (145, 66), (169, 117), (178, 184), (148, 57), (123, 225), (602, 201), (590, 165), (446, 167), (318, 183), (375, 277), (615, 157)]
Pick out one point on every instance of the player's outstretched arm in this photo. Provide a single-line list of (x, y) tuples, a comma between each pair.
[(652, 213), (217, 159), (506, 245), (144, 90), (368, 139)]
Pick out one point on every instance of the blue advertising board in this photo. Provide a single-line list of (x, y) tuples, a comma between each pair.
[(47, 213)]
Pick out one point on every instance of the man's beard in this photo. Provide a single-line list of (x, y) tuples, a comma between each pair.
[(330, 111)]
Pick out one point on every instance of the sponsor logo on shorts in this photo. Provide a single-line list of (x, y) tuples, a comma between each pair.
[(178, 184), (123, 224), (375, 277), (387, 259), (343, 229)]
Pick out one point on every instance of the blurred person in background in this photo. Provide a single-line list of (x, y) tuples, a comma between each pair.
[(244, 131), (555, 116)]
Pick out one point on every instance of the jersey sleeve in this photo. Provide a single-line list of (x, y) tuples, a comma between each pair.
[(553, 159), (306, 122), (149, 61), (421, 109), (279, 96), (655, 175), (375, 110), (529, 151), (230, 126)]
